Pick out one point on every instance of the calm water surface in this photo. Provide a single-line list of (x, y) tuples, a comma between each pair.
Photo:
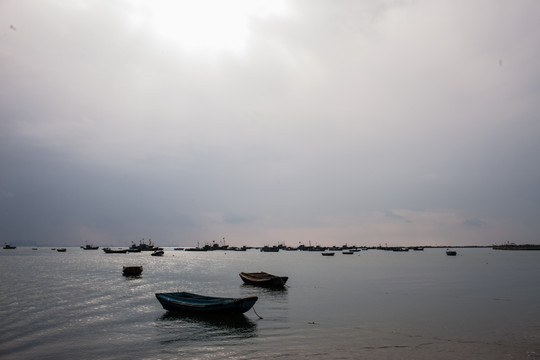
[(481, 304)]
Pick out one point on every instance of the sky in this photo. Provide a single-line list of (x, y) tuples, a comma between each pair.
[(255, 122)]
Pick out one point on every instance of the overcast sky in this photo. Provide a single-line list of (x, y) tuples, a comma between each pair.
[(264, 122)]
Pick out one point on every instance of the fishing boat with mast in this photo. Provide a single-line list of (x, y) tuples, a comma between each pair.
[(143, 246)]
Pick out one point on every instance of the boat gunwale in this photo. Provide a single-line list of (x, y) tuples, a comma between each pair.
[(195, 300)]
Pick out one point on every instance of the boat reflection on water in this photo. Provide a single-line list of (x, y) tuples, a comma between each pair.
[(259, 290), (203, 327)]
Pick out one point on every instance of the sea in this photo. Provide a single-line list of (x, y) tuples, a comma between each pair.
[(374, 304)]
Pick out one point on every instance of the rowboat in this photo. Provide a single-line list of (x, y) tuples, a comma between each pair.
[(132, 270), (200, 304), (263, 279)]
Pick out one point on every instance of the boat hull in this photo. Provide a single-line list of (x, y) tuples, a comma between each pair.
[(199, 304), (113, 251), (263, 279)]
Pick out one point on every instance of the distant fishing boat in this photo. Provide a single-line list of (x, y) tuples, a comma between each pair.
[(327, 254), (132, 270), (512, 246), (200, 304), (158, 253), (143, 246), (451, 252), (9, 247), (89, 247), (263, 279), (400, 249), (114, 251), (348, 252), (270, 249), (61, 249)]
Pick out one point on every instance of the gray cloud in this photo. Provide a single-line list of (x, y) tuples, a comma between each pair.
[(327, 113)]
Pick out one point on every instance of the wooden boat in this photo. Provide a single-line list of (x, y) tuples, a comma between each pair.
[(200, 304), (327, 254), (158, 253), (115, 251), (263, 279), (132, 270), (451, 252)]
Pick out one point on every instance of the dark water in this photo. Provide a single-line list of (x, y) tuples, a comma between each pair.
[(481, 304)]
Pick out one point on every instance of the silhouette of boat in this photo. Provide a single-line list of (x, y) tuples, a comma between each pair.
[(263, 279), (194, 303), (132, 270)]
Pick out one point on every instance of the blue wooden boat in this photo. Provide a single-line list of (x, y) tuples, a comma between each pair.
[(200, 304)]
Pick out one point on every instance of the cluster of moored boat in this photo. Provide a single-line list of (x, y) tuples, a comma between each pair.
[(136, 248), (185, 302)]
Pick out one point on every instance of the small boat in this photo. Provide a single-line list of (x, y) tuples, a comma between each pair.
[(132, 270), (200, 304), (158, 253), (263, 279), (451, 252), (61, 249), (9, 247), (348, 252), (115, 251), (327, 254)]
